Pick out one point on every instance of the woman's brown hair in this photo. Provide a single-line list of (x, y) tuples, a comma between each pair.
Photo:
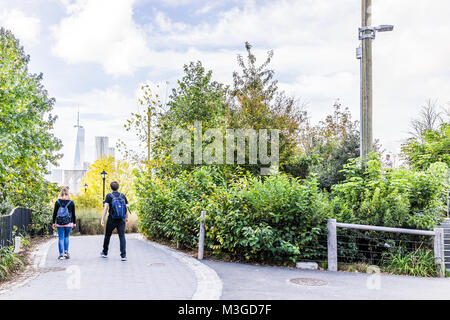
[(64, 194)]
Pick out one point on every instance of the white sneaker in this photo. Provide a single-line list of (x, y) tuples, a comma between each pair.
[(124, 258)]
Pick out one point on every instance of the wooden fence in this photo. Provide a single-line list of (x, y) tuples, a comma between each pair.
[(17, 221)]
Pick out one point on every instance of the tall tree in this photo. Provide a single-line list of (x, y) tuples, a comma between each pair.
[(257, 103), (327, 147), (142, 125), (117, 170), (27, 145), (430, 118), (429, 139), (197, 97)]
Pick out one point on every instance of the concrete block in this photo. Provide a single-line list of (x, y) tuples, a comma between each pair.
[(307, 265)]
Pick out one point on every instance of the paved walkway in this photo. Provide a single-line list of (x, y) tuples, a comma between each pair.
[(154, 271), (149, 273), (243, 281)]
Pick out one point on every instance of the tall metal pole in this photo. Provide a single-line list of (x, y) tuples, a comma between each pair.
[(366, 74)]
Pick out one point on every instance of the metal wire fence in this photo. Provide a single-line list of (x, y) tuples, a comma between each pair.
[(357, 250)]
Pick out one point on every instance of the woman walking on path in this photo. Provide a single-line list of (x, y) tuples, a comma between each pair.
[(64, 220)]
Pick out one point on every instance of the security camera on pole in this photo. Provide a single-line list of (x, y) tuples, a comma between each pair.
[(366, 34)]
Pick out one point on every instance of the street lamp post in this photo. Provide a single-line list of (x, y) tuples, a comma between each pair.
[(103, 174), (366, 34)]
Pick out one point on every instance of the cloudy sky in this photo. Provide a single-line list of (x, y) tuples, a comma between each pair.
[(95, 54)]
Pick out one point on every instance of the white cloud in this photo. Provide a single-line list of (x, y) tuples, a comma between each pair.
[(314, 44), (103, 32), (25, 28)]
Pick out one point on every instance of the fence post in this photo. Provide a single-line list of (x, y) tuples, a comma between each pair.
[(439, 250), (201, 240), (17, 244), (332, 245), (10, 228)]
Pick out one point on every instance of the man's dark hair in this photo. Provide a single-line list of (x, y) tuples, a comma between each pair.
[(114, 186)]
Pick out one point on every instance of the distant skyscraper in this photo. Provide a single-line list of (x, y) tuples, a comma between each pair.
[(79, 147), (112, 152), (101, 147)]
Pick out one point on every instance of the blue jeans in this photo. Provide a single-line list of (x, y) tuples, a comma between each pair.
[(63, 243)]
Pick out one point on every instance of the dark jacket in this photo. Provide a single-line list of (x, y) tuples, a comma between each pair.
[(71, 209)]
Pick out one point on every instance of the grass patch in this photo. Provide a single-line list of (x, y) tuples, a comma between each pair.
[(89, 222), (11, 262), (419, 263), (354, 267)]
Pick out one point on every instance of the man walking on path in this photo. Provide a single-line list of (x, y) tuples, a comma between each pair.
[(116, 204)]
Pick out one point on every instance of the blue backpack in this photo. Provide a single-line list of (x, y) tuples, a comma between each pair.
[(63, 216), (119, 207)]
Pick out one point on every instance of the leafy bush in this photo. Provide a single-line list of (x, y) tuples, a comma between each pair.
[(433, 146), (5, 208), (394, 198), (41, 223), (272, 220), (9, 262)]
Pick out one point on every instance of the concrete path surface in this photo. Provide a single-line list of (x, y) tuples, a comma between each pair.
[(154, 271), (149, 273), (243, 281)]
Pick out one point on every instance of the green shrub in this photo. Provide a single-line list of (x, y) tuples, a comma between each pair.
[(274, 219), (5, 207), (400, 198), (394, 198), (9, 262), (281, 219)]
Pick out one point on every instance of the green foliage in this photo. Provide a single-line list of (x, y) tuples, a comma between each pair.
[(326, 148), (395, 198), (5, 207), (276, 218), (271, 220), (141, 125), (9, 262), (196, 98), (41, 222), (27, 145), (256, 102), (433, 147)]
